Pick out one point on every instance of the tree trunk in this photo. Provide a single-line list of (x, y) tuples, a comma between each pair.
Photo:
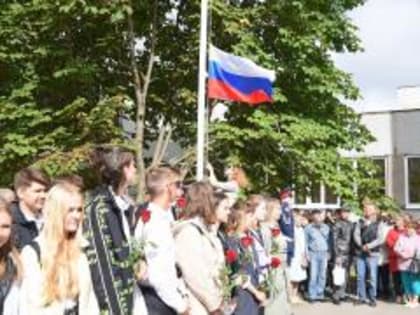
[(141, 88)]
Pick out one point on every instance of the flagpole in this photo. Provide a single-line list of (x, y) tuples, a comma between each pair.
[(201, 112)]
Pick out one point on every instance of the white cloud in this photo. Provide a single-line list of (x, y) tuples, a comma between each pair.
[(390, 32)]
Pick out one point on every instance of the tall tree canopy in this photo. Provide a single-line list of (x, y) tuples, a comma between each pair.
[(68, 72)]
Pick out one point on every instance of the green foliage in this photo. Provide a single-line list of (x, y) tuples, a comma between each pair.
[(65, 76), (59, 91)]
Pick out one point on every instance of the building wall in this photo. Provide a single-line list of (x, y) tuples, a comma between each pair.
[(406, 141)]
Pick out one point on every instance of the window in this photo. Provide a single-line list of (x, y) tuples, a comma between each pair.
[(412, 175), (380, 175), (330, 196), (317, 196)]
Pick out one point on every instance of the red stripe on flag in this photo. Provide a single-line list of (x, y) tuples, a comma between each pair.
[(222, 91)]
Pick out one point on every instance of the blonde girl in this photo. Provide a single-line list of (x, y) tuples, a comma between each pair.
[(56, 276)]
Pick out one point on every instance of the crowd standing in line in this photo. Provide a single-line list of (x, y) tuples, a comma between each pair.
[(205, 248)]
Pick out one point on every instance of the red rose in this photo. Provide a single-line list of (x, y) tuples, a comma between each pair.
[(181, 202), (246, 241), (275, 232), (231, 256), (145, 216), (275, 262)]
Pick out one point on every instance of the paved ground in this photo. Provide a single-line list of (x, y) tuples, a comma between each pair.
[(350, 309)]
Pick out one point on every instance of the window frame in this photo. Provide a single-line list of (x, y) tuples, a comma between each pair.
[(317, 205), (408, 204)]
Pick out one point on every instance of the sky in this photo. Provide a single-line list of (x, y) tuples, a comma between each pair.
[(390, 33)]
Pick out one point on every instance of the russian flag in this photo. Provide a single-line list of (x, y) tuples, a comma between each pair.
[(238, 79)]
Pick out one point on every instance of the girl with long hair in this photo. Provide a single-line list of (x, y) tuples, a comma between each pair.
[(250, 300), (276, 247), (109, 229), (56, 276), (10, 265), (199, 252)]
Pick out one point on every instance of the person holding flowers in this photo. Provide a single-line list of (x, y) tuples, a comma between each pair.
[(163, 289), (277, 248), (199, 252), (108, 228), (250, 300)]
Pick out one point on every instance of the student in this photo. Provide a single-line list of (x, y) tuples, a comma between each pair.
[(30, 185), (56, 272), (199, 252), (250, 300), (109, 228), (165, 293), (276, 247), (7, 195), (10, 264)]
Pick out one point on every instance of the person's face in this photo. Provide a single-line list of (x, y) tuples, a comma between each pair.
[(5, 228), (130, 172), (317, 217), (399, 223), (261, 211), (74, 214), (345, 215), (33, 197), (223, 211), (229, 172), (369, 210), (411, 231), (175, 190)]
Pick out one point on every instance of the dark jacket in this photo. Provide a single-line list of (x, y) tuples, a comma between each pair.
[(367, 234), (287, 227), (24, 231), (108, 253), (342, 239)]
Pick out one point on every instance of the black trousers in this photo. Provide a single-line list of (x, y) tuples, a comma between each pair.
[(154, 304), (384, 283)]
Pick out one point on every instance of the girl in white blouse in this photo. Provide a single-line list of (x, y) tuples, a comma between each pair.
[(56, 278)]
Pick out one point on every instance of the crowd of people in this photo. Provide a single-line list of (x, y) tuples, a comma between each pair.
[(341, 257), (201, 248)]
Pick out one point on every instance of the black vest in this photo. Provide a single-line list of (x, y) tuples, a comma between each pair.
[(369, 233)]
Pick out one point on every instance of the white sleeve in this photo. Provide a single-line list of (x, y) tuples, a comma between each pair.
[(227, 186), (160, 256), (30, 294), (88, 304)]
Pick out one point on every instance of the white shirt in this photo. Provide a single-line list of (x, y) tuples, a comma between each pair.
[(123, 204), (160, 257), (263, 259)]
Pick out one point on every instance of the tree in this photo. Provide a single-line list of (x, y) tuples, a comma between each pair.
[(64, 74), (60, 90)]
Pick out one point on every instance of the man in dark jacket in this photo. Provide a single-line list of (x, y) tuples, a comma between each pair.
[(342, 239), (367, 242), (30, 186)]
